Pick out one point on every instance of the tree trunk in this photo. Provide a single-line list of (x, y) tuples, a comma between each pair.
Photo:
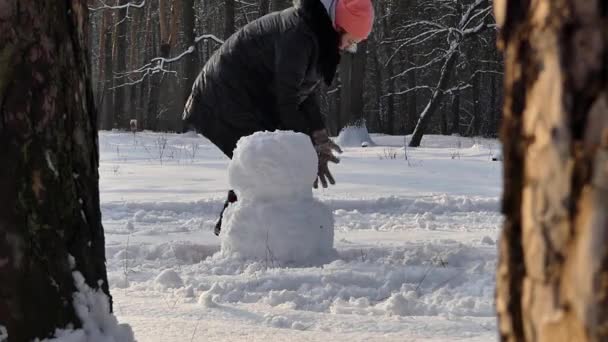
[(352, 75), (376, 118), (107, 96), (229, 13), (390, 100), (120, 64), (143, 114), (493, 107), (50, 225), (435, 99), (476, 126), (443, 122), (167, 31), (263, 7), (553, 265), (165, 34), (191, 61), (103, 45), (135, 45), (455, 113), (412, 110)]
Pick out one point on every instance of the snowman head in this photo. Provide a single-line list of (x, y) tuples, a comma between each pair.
[(273, 166)]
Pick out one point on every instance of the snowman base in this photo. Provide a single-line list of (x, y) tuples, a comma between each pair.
[(276, 218)]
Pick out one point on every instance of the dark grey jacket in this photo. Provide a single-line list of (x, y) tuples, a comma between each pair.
[(265, 77)]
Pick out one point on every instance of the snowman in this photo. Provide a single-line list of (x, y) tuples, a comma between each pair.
[(276, 217)]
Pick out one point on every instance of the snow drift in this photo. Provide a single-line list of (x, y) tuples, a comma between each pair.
[(276, 217), (355, 135)]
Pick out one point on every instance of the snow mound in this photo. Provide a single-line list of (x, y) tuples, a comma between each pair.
[(276, 218), (98, 323), (355, 136), (169, 279)]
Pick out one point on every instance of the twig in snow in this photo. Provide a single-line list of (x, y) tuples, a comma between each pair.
[(198, 321), (426, 273)]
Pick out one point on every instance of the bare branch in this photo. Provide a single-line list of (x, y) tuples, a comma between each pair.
[(157, 64), (127, 6)]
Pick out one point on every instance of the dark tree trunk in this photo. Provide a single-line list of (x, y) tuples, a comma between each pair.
[(264, 7), (412, 110), (107, 95), (191, 60), (443, 124), (50, 224), (553, 264), (164, 49), (376, 117), (134, 43), (476, 126), (352, 75), (120, 63), (229, 13), (493, 107), (390, 100), (455, 113)]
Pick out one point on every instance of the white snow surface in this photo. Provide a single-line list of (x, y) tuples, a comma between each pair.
[(276, 217), (415, 245)]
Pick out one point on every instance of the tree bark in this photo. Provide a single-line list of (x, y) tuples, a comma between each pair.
[(352, 75), (229, 13), (135, 45), (412, 110), (107, 96), (455, 113), (476, 126), (191, 61), (50, 224), (375, 121), (552, 280), (263, 8), (103, 45), (120, 65)]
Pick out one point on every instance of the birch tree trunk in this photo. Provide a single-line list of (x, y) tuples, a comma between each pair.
[(552, 280), (50, 222)]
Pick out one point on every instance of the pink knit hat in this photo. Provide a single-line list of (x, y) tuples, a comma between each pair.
[(355, 17)]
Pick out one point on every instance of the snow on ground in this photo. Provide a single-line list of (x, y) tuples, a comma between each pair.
[(415, 241)]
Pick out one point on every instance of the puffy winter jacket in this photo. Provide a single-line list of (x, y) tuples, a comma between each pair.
[(265, 77)]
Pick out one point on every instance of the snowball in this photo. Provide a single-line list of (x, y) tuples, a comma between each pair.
[(487, 240), (129, 226), (207, 300), (169, 279), (272, 165), (354, 136), (276, 219)]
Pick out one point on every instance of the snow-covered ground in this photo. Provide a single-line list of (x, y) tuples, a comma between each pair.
[(415, 240)]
